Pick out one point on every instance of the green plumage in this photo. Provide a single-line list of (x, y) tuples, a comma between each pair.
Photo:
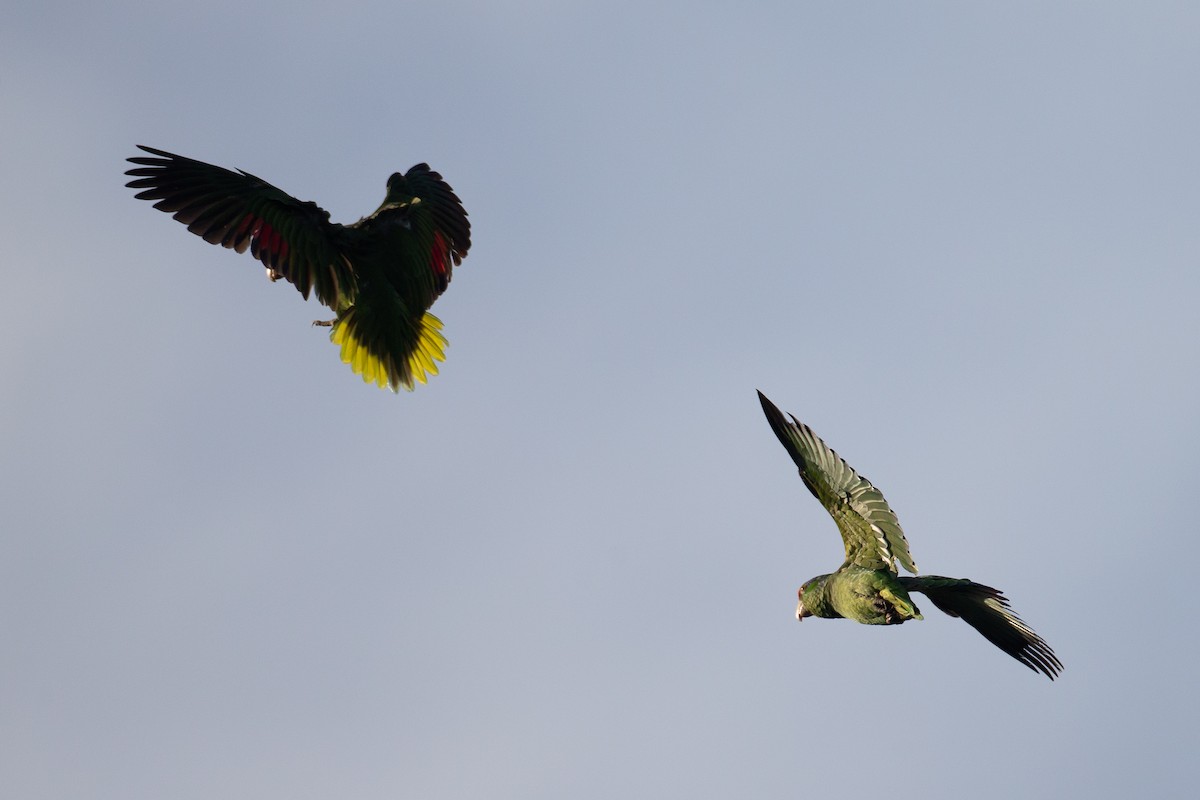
[(867, 587), (379, 275)]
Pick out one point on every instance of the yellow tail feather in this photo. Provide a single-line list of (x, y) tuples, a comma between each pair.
[(404, 364)]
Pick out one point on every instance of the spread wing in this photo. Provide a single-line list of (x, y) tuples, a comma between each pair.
[(237, 210), (987, 610), (437, 233), (449, 234), (869, 527)]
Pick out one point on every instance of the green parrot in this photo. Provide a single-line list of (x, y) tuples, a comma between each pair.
[(866, 587), (380, 275)]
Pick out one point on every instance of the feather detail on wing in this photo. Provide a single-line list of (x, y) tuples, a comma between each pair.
[(293, 239), (869, 527), (987, 610), (450, 229)]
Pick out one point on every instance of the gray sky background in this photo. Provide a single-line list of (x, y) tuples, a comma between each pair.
[(959, 240)]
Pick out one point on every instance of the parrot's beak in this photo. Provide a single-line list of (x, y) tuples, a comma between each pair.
[(802, 612)]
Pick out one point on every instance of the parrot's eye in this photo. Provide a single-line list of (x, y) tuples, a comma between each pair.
[(800, 593)]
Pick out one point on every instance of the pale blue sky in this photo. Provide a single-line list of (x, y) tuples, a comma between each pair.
[(959, 240)]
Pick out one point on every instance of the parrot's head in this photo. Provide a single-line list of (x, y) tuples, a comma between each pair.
[(400, 192), (801, 611), (397, 187)]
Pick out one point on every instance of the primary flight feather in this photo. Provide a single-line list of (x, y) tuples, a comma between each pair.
[(379, 275), (867, 587)]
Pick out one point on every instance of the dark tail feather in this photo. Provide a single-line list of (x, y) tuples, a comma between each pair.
[(986, 610)]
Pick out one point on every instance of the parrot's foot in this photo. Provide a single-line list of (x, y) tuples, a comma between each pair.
[(324, 323), (901, 608)]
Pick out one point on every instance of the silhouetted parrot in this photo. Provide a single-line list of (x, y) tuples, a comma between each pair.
[(866, 587), (380, 275)]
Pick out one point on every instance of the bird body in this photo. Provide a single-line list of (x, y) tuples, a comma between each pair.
[(379, 275), (867, 588), (869, 596)]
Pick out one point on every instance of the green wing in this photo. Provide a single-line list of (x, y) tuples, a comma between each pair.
[(869, 527), (294, 239), (430, 234), (987, 610), (443, 230)]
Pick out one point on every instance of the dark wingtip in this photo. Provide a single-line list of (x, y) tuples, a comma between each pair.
[(767, 405), (143, 162), (154, 151), (988, 611), (775, 417)]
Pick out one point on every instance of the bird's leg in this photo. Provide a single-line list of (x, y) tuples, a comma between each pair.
[(324, 323), (904, 608)]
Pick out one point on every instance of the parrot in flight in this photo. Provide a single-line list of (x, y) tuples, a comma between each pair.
[(867, 587), (379, 275)]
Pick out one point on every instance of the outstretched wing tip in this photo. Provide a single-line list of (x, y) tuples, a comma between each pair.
[(989, 612), (870, 529), (240, 211)]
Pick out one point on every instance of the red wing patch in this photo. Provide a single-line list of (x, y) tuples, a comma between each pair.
[(439, 256), (266, 244)]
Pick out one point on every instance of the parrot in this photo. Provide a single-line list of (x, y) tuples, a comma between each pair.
[(867, 587), (379, 275)]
